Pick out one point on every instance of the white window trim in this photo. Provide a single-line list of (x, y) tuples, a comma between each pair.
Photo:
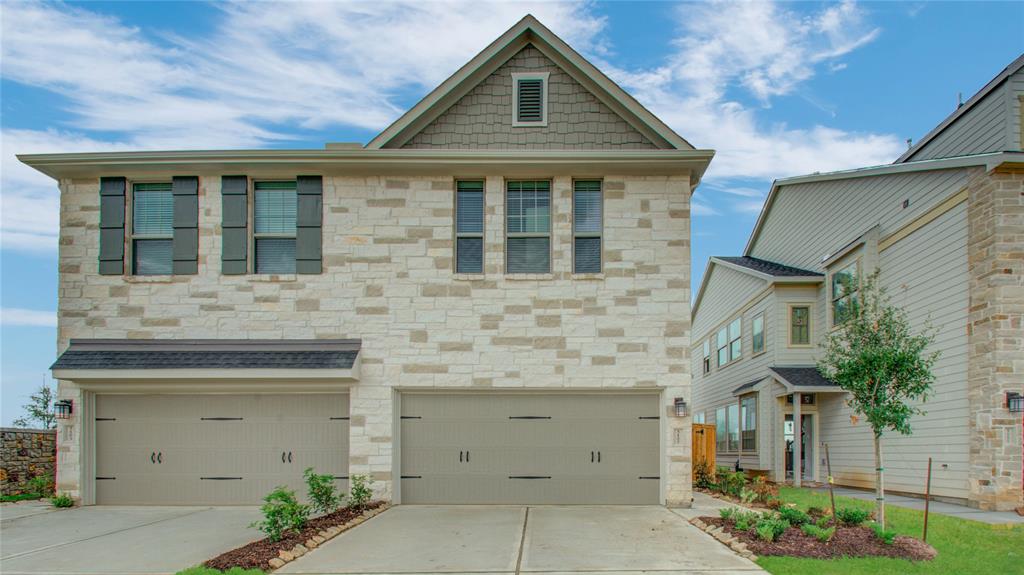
[(598, 234), (455, 229), (810, 324), (550, 234), (253, 236), (855, 259), (516, 77), (757, 445)]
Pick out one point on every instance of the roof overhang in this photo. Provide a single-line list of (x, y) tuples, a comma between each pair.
[(527, 31), (209, 365), (993, 161), (769, 279), (791, 387), (270, 163)]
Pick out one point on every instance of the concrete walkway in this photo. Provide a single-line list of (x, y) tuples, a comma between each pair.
[(941, 508), (510, 540)]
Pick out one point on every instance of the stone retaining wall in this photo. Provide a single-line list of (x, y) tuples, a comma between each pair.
[(24, 454)]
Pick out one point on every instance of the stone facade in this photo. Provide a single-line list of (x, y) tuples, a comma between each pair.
[(388, 279), (482, 119), (24, 454), (996, 337)]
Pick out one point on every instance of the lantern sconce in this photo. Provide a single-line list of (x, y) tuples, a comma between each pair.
[(679, 406), (1014, 402), (62, 409)]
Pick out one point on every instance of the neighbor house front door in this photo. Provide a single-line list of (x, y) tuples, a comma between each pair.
[(806, 445)]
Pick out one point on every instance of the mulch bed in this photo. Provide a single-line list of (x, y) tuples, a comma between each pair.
[(847, 542), (255, 555)]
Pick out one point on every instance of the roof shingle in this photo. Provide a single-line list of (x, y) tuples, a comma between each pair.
[(209, 354), (803, 376), (766, 267)]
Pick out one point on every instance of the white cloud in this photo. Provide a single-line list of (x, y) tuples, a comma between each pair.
[(27, 317)]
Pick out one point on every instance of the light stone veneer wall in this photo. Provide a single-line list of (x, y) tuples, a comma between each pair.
[(995, 337), (388, 280)]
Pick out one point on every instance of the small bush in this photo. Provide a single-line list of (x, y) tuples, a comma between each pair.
[(887, 536), (770, 529), (732, 483), (823, 521), (281, 512), (744, 520), (773, 504), (322, 492), (815, 512), (41, 485), (821, 534), (703, 476), (765, 491), (359, 492), (852, 516), (747, 496), (62, 500), (794, 515), (726, 512)]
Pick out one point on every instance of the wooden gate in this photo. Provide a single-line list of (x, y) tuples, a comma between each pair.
[(704, 444)]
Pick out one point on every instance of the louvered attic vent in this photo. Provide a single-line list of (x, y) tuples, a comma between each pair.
[(530, 101)]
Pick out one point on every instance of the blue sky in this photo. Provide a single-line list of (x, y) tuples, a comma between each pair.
[(778, 89)]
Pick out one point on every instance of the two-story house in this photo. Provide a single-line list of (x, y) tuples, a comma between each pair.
[(944, 227), (487, 303)]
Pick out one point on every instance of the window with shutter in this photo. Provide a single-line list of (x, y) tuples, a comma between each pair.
[(469, 227), (531, 95), (152, 229), (274, 230), (528, 227), (586, 226)]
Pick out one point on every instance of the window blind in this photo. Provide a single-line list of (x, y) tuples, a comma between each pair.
[(153, 209), (469, 227), (587, 224), (275, 255), (528, 227), (274, 218), (153, 257)]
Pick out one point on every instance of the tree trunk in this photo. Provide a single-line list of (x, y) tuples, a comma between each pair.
[(879, 483)]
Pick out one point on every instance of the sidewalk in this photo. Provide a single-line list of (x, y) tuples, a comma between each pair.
[(951, 509)]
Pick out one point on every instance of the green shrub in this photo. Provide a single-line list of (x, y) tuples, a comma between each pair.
[(62, 500), (771, 528), (281, 512), (322, 492), (852, 516), (747, 496), (794, 515), (774, 503), (703, 476), (744, 520), (359, 492), (726, 512), (765, 491), (823, 535), (823, 521), (732, 483), (41, 485), (887, 536)]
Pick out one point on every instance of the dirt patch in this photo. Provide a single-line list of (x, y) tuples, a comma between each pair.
[(257, 554), (847, 542)]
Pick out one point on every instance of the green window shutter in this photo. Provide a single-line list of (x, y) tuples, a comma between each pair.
[(112, 196), (186, 224), (308, 222), (234, 191)]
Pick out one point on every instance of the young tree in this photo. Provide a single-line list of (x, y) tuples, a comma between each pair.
[(39, 410), (884, 367)]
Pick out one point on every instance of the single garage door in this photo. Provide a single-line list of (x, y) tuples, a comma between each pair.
[(537, 448), (215, 449)]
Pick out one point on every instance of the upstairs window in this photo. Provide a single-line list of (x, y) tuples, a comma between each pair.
[(531, 99), (469, 227), (757, 333), (528, 227), (845, 285), (707, 356), (722, 345), (735, 339), (152, 229), (274, 216), (586, 226), (799, 325)]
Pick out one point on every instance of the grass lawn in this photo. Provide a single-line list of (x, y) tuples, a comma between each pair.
[(22, 497), (964, 547)]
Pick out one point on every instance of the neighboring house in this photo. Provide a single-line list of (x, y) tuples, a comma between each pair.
[(488, 303), (945, 228)]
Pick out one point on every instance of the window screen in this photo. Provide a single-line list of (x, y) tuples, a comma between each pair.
[(274, 215)]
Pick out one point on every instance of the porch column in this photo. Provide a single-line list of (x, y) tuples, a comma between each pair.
[(797, 441)]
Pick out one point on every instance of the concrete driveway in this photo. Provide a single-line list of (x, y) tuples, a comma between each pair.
[(514, 539), (118, 540)]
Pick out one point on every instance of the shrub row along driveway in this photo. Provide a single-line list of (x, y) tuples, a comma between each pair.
[(515, 539), (115, 540)]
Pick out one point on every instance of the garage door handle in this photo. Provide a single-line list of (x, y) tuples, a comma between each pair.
[(152, 457), (467, 457), (160, 457), (289, 457), (591, 456), (599, 457), (529, 477), (460, 457), (282, 456)]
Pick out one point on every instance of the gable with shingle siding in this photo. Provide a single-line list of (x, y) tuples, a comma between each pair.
[(482, 119)]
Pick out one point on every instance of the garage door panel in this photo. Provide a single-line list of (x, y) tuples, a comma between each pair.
[(530, 448), (215, 449)]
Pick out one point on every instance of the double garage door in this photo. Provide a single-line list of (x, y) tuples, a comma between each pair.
[(530, 449), (215, 449)]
